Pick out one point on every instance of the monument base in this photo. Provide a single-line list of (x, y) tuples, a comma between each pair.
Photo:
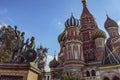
[(18, 72)]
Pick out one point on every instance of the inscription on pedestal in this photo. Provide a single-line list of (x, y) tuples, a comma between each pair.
[(3, 77)]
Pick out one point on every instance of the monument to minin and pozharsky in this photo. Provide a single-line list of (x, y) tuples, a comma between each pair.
[(19, 67)]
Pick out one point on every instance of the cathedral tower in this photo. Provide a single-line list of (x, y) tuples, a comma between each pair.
[(113, 41), (88, 24), (71, 52)]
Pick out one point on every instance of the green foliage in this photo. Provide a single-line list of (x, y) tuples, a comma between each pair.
[(71, 77), (7, 38), (41, 60), (41, 57)]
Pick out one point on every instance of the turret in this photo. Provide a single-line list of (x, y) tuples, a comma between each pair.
[(99, 37), (113, 41), (88, 24), (112, 27), (53, 65), (73, 42)]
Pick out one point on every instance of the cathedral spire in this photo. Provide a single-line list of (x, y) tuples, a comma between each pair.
[(85, 9), (87, 19)]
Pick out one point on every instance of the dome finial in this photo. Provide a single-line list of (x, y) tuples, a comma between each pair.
[(84, 2), (55, 54), (71, 12), (106, 13)]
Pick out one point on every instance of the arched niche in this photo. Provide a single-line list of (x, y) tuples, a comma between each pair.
[(87, 73), (106, 78), (93, 73), (116, 78)]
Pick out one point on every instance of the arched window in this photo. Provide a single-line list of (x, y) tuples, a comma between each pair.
[(87, 73), (67, 73), (93, 73), (106, 78), (116, 78)]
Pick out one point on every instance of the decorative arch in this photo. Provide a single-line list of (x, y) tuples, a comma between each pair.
[(106, 78), (107, 73), (116, 78), (93, 73), (87, 73)]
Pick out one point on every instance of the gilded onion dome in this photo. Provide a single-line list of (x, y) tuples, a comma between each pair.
[(54, 63), (72, 21), (97, 33), (110, 23)]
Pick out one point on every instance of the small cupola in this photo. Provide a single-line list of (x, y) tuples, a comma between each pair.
[(54, 63)]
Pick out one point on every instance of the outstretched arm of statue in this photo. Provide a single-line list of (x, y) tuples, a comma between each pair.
[(16, 33), (27, 41)]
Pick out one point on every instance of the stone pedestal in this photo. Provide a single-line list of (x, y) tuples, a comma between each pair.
[(18, 72)]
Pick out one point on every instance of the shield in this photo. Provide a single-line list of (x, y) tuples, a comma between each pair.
[(30, 55)]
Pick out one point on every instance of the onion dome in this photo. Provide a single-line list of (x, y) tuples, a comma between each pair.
[(97, 33), (110, 23), (61, 37), (72, 21), (54, 63)]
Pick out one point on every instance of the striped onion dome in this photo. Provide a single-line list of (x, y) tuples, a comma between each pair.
[(54, 63), (110, 23), (97, 33), (61, 37), (72, 22)]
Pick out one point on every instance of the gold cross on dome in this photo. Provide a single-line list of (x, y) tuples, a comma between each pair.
[(83, 0)]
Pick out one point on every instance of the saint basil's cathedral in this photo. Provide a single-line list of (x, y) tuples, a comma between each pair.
[(85, 51)]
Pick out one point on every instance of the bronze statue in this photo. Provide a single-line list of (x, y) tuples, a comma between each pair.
[(18, 44), (28, 54), (25, 51), (32, 44)]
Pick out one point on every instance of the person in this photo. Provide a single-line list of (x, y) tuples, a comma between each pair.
[(19, 43), (32, 44), (26, 44)]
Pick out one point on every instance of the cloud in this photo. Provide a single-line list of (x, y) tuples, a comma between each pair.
[(118, 23), (2, 24), (60, 26), (11, 20), (49, 58), (59, 23)]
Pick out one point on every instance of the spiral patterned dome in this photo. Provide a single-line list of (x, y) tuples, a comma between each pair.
[(97, 33), (54, 63), (72, 22), (110, 23), (61, 36)]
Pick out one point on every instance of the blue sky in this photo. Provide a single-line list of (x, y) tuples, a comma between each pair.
[(45, 19)]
